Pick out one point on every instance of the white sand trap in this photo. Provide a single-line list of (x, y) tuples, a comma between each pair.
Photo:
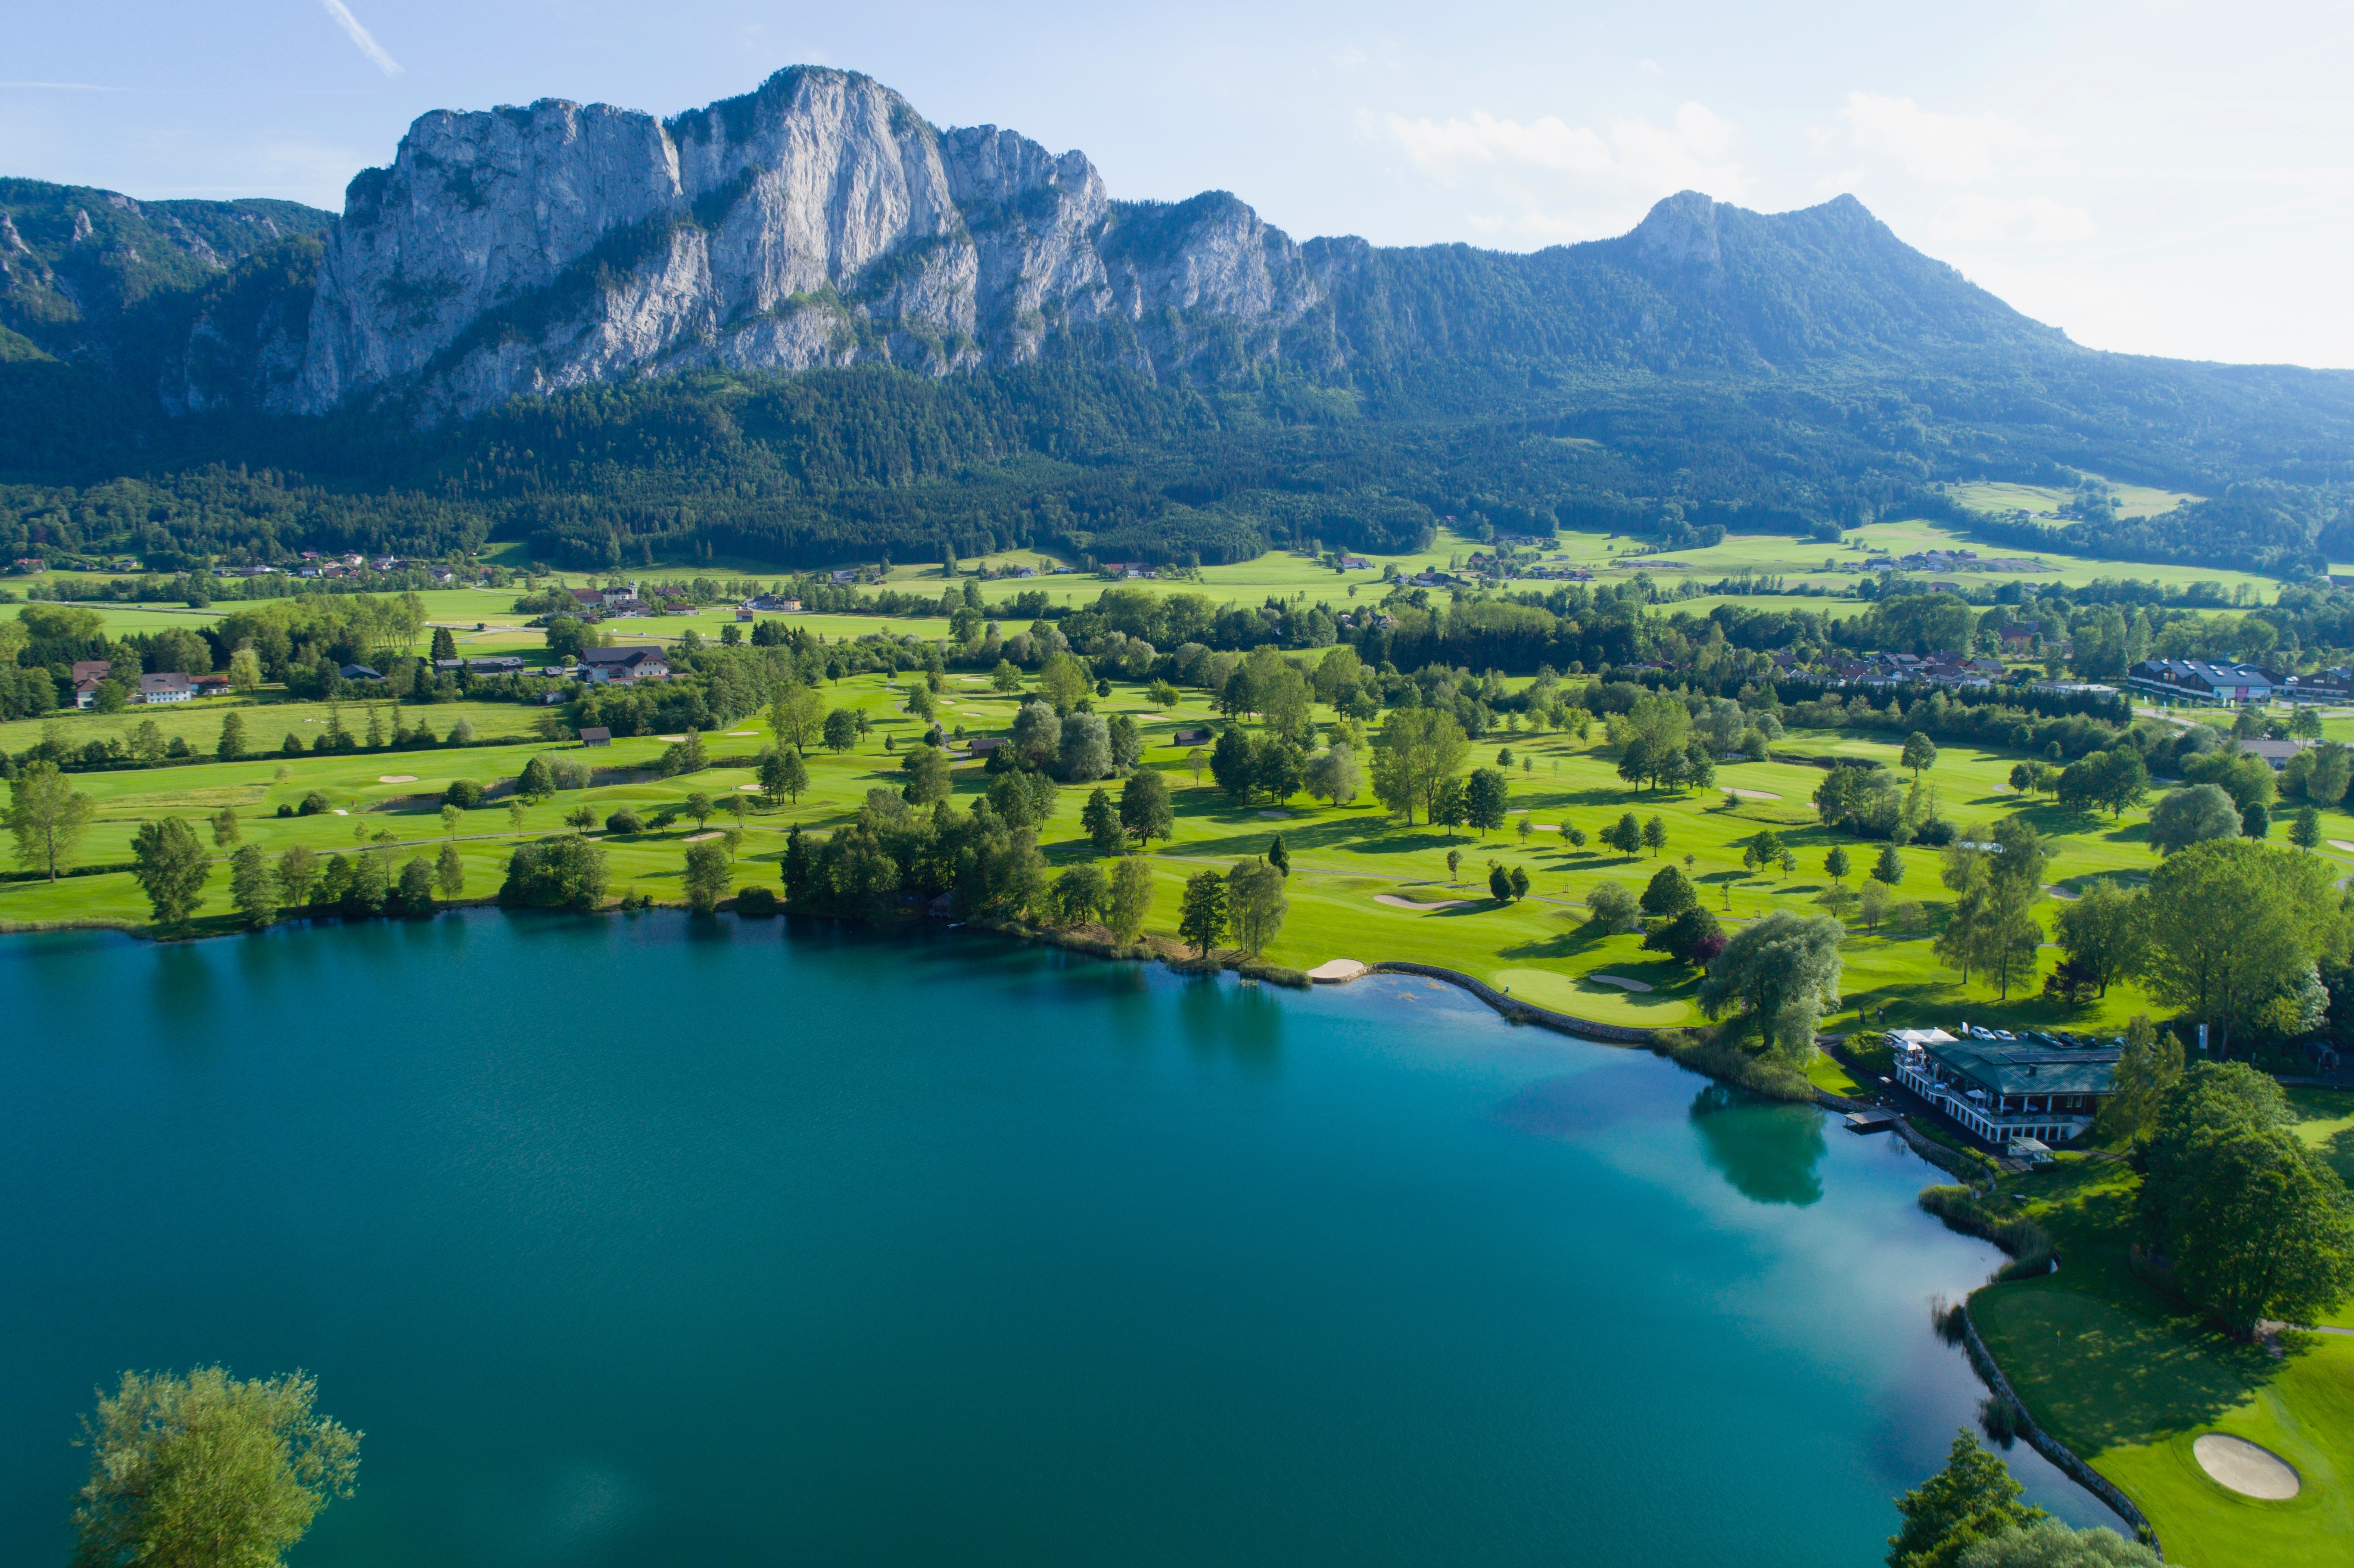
[(1337, 971), (396, 777), (1544, 827), (669, 738), (1161, 717), (1621, 982), (733, 733), (2341, 843), (1276, 816), (698, 838), (750, 789), (1755, 794), (2070, 894), (2247, 1469), (1395, 902), (341, 812)]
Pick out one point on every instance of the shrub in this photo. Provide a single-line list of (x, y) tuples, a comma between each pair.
[(1775, 1080), (312, 804), (2029, 1245), (756, 900), (625, 820), (463, 793), (1613, 909)]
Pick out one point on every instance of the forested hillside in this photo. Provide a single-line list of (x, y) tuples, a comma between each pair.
[(1714, 368)]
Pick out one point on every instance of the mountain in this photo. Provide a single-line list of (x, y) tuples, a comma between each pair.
[(609, 293)]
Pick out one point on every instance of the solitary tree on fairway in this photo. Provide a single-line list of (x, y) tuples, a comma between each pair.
[(1101, 819), (2305, 833), (1486, 799), (225, 828), (195, 1471), (48, 816), (1890, 867), (167, 861), (841, 730), (1145, 809), (783, 775), (1500, 882), (1453, 862), (1764, 849), (1655, 836), (450, 873), (1201, 920), (231, 746), (1278, 856), (1920, 753), (1837, 864)]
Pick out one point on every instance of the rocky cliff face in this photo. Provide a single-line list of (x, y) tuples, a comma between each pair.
[(819, 220)]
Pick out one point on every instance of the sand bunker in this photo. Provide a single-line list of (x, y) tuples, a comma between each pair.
[(1621, 982), (2250, 1471), (1337, 971), (396, 777), (1395, 902), (699, 838), (1755, 794), (736, 732), (2341, 843), (669, 738)]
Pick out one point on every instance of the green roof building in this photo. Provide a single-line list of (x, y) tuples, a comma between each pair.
[(2003, 1088)]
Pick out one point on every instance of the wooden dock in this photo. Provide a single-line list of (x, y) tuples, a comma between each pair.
[(1871, 1120)]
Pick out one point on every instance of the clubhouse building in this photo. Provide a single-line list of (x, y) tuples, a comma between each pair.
[(2007, 1088)]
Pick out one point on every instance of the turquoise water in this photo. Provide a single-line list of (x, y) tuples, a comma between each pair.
[(636, 1241)]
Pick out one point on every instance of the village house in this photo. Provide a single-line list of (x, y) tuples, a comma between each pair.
[(164, 687), (622, 666), (2004, 1088)]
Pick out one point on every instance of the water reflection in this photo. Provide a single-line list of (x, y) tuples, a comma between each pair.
[(1221, 1016), (1768, 1150)]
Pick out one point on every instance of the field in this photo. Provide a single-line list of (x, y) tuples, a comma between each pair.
[(2127, 1377), (2043, 502)]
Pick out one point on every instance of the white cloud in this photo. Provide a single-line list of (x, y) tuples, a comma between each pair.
[(2035, 220), (1545, 180), (361, 35), (1943, 149), (1694, 149)]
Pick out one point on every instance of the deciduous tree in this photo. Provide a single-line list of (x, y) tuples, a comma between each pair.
[(1130, 899), (168, 863), (1779, 973), (1201, 920), (207, 1469), (1972, 1500), (48, 816), (1145, 809), (1254, 894)]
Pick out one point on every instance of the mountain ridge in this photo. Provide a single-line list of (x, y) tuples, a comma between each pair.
[(805, 322)]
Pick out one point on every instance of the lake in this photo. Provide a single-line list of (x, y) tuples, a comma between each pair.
[(645, 1241)]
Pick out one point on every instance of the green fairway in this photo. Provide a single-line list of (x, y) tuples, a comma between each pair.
[(2127, 1377), (1343, 858)]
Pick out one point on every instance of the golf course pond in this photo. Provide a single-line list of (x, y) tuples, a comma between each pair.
[(643, 1240)]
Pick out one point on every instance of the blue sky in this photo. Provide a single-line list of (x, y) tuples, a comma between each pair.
[(2158, 178)]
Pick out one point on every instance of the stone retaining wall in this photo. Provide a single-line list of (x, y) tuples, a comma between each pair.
[(1520, 1011), (2050, 1447)]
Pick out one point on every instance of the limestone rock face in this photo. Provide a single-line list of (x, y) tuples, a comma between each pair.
[(818, 220)]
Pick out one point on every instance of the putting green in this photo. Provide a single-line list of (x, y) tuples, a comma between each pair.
[(1581, 998)]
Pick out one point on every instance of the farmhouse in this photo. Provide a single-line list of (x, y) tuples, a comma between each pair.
[(622, 665), (2002, 1087), (169, 687)]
